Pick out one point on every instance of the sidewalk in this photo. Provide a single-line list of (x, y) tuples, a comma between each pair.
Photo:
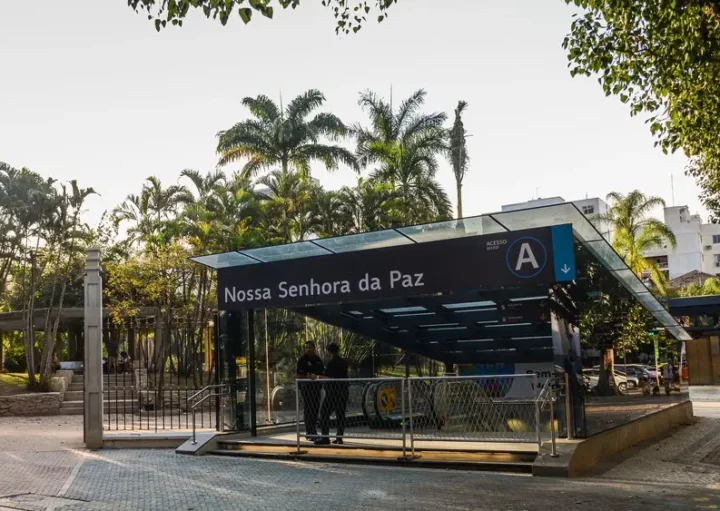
[(690, 456), (43, 467)]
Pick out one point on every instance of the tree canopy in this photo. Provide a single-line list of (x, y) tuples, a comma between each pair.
[(349, 14), (147, 239), (662, 58)]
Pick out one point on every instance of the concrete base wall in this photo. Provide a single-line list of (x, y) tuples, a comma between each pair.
[(582, 455), (39, 403)]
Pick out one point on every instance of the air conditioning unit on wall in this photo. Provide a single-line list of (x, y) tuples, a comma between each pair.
[(707, 247)]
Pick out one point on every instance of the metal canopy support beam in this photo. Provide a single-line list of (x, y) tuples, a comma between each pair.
[(251, 370)]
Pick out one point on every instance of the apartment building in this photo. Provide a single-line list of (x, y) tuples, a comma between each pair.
[(698, 243)]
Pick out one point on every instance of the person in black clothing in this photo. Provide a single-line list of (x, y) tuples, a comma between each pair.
[(310, 366), (336, 397)]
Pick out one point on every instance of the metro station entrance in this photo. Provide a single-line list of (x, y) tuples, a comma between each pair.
[(481, 318)]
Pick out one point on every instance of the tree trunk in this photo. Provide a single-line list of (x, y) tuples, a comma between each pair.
[(459, 201), (29, 327), (606, 381)]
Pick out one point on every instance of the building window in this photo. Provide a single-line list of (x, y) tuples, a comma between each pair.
[(716, 260), (716, 239), (588, 210)]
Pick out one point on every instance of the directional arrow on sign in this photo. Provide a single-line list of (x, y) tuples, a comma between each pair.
[(565, 269)]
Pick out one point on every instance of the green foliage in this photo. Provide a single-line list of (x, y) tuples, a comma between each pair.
[(634, 233), (349, 14), (403, 146), (710, 286), (457, 152), (43, 238), (662, 58), (285, 137)]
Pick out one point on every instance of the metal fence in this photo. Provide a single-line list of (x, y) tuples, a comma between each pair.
[(138, 399), (400, 412)]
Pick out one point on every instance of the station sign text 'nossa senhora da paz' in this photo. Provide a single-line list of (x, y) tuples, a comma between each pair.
[(491, 261)]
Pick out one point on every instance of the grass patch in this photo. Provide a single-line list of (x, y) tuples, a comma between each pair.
[(13, 383)]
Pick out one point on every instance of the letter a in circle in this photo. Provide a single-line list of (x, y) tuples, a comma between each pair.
[(526, 256)]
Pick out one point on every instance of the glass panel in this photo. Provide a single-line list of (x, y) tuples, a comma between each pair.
[(630, 280), (649, 302), (469, 305), (233, 370), (549, 215), (437, 231), (291, 251), (364, 241), (225, 260), (606, 255), (403, 310)]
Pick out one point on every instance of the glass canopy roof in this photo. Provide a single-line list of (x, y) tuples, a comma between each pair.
[(543, 216)]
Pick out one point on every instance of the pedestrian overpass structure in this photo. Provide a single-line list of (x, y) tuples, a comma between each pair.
[(487, 298)]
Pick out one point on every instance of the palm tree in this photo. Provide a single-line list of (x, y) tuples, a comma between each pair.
[(329, 214), (285, 137), (458, 152), (368, 206), (288, 206), (404, 146), (634, 234), (152, 214)]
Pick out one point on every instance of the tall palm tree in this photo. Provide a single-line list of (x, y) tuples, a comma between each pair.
[(278, 137), (404, 146), (634, 233), (458, 153)]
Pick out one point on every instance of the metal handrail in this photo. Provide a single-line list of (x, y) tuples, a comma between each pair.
[(206, 388), (548, 397), (196, 403)]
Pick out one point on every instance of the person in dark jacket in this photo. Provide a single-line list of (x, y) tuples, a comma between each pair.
[(310, 366), (336, 396)]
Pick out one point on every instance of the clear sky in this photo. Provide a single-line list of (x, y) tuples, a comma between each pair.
[(89, 90)]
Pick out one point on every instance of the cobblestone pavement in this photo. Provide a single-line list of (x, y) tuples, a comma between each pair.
[(687, 457), (162, 480), (674, 473)]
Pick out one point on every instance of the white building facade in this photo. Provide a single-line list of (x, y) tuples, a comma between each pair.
[(698, 243)]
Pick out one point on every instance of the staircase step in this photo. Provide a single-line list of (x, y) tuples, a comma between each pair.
[(365, 458), (77, 387), (74, 395)]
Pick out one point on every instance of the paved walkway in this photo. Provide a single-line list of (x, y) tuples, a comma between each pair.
[(679, 473)]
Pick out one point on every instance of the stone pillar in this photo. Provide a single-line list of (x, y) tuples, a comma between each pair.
[(93, 430)]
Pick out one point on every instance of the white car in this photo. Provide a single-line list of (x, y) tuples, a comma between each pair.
[(593, 376)]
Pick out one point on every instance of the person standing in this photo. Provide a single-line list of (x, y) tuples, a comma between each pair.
[(336, 397), (668, 373), (112, 350), (310, 366)]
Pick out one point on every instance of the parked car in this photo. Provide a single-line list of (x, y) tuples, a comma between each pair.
[(632, 380), (652, 373), (636, 370), (593, 376), (631, 372)]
